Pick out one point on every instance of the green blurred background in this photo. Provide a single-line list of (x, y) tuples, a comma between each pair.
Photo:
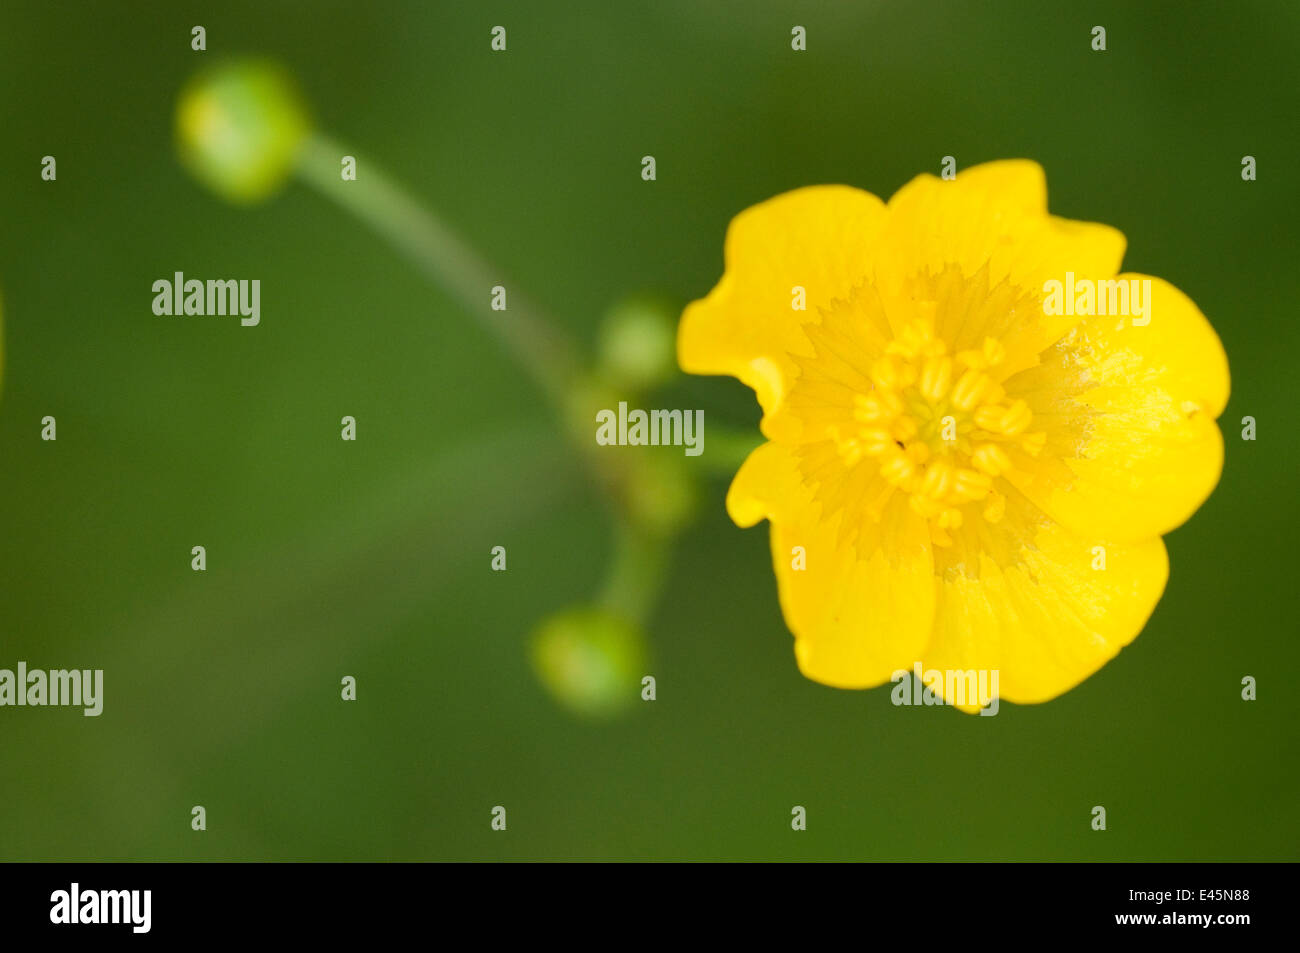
[(371, 558)]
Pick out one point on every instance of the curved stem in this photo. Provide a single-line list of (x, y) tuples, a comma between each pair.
[(640, 556), (533, 341), (636, 573)]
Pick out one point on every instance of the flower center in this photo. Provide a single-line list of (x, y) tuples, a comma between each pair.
[(939, 426)]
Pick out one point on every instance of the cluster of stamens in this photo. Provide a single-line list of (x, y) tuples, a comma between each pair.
[(939, 426)]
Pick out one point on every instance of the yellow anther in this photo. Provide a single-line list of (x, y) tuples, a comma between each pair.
[(896, 467), (850, 450), (939, 479), (878, 405), (914, 339), (995, 507), (1008, 421), (972, 485), (989, 355), (991, 459), (936, 378), (972, 390), (1017, 418), (868, 408), (994, 351), (989, 417), (1033, 443), (876, 441), (949, 519)]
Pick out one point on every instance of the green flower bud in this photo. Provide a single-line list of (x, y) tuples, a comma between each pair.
[(591, 660), (239, 128), (637, 345)]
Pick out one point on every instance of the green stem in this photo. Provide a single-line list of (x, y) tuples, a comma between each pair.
[(533, 341), (640, 555), (636, 574)]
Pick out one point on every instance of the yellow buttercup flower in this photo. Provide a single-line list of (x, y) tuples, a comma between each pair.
[(969, 460)]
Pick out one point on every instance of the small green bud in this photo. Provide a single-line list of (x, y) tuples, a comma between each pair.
[(591, 660), (239, 128), (637, 345)]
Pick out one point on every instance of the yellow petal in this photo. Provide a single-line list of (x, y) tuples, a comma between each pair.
[(993, 218), (1137, 449), (860, 608), (766, 486), (995, 213), (815, 238), (1033, 607)]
